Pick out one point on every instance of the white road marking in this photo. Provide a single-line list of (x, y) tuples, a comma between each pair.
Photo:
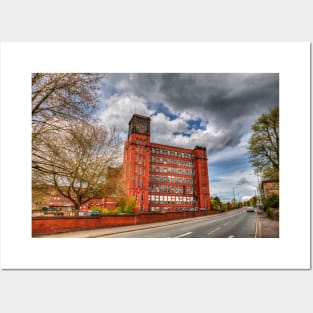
[(226, 223), (182, 235), (214, 230), (231, 236)]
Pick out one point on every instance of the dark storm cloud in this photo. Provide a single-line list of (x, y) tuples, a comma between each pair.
[(222, 96), (242, 181), (230, 102)]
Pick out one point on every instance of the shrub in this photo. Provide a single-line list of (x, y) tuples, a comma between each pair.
[(111, 212), (106, 211), (117, 211), (96, 209), (273, 213), (130, 206), (122, 205), (272, 201)]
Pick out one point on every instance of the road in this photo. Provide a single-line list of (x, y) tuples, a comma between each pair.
[(234, 224)]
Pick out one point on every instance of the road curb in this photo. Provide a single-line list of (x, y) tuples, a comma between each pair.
[(258, 232)]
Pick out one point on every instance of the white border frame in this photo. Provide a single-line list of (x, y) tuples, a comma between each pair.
[(20, 251)]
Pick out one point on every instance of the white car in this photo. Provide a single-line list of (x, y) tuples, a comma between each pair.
[(250, 209)]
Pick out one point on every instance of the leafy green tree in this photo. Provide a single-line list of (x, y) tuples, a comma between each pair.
[(122, 204), (130, 205), (126, 205), (272, 201), (253, 201), (216, 203), (264, 145)]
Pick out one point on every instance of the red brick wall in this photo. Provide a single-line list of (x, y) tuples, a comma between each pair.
[(60, 224)]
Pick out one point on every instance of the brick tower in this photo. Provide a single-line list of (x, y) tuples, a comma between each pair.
[(136, 160), (201, 182)]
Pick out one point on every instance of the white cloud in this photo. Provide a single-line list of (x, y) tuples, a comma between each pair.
[(120, 108), (161, 124), (189, 115), (227, 185)]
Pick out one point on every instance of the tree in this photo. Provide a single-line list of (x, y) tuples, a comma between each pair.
[(67, 145), (216, 203), (253, 201), (40, 193), (264, 145), (113, 183), (62, 97), (130, 205), (74, 158)]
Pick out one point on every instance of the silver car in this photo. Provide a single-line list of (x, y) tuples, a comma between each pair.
[(250, 209)]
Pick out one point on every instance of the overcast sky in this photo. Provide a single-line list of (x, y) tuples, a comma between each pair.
[(212, 110)]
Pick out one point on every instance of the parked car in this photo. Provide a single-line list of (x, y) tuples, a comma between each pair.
[(93, 213), (250, 209)]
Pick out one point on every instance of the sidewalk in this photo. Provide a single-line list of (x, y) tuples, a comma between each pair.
[(266, 227)]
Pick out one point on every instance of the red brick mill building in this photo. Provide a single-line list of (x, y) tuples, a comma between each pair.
[(163, 178)]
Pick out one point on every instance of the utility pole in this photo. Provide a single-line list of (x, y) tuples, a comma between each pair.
[(260, 191), (238, 199)]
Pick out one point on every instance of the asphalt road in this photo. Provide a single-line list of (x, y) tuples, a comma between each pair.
[(234, 224)]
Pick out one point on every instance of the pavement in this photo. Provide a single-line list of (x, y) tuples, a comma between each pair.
[(265, 226)]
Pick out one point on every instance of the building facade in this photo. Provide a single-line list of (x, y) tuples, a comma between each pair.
[(163, 178), (270, 187)]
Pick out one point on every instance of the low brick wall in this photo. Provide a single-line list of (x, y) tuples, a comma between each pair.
[(61, 224)]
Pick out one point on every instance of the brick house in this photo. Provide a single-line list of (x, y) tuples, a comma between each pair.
[(269, 187)]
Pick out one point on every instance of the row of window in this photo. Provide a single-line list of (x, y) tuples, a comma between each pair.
[(171, 170), (165, 209), (170, 200), (171, 189), (177, 162), (171, 153), (171, 179), (160, 209)]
